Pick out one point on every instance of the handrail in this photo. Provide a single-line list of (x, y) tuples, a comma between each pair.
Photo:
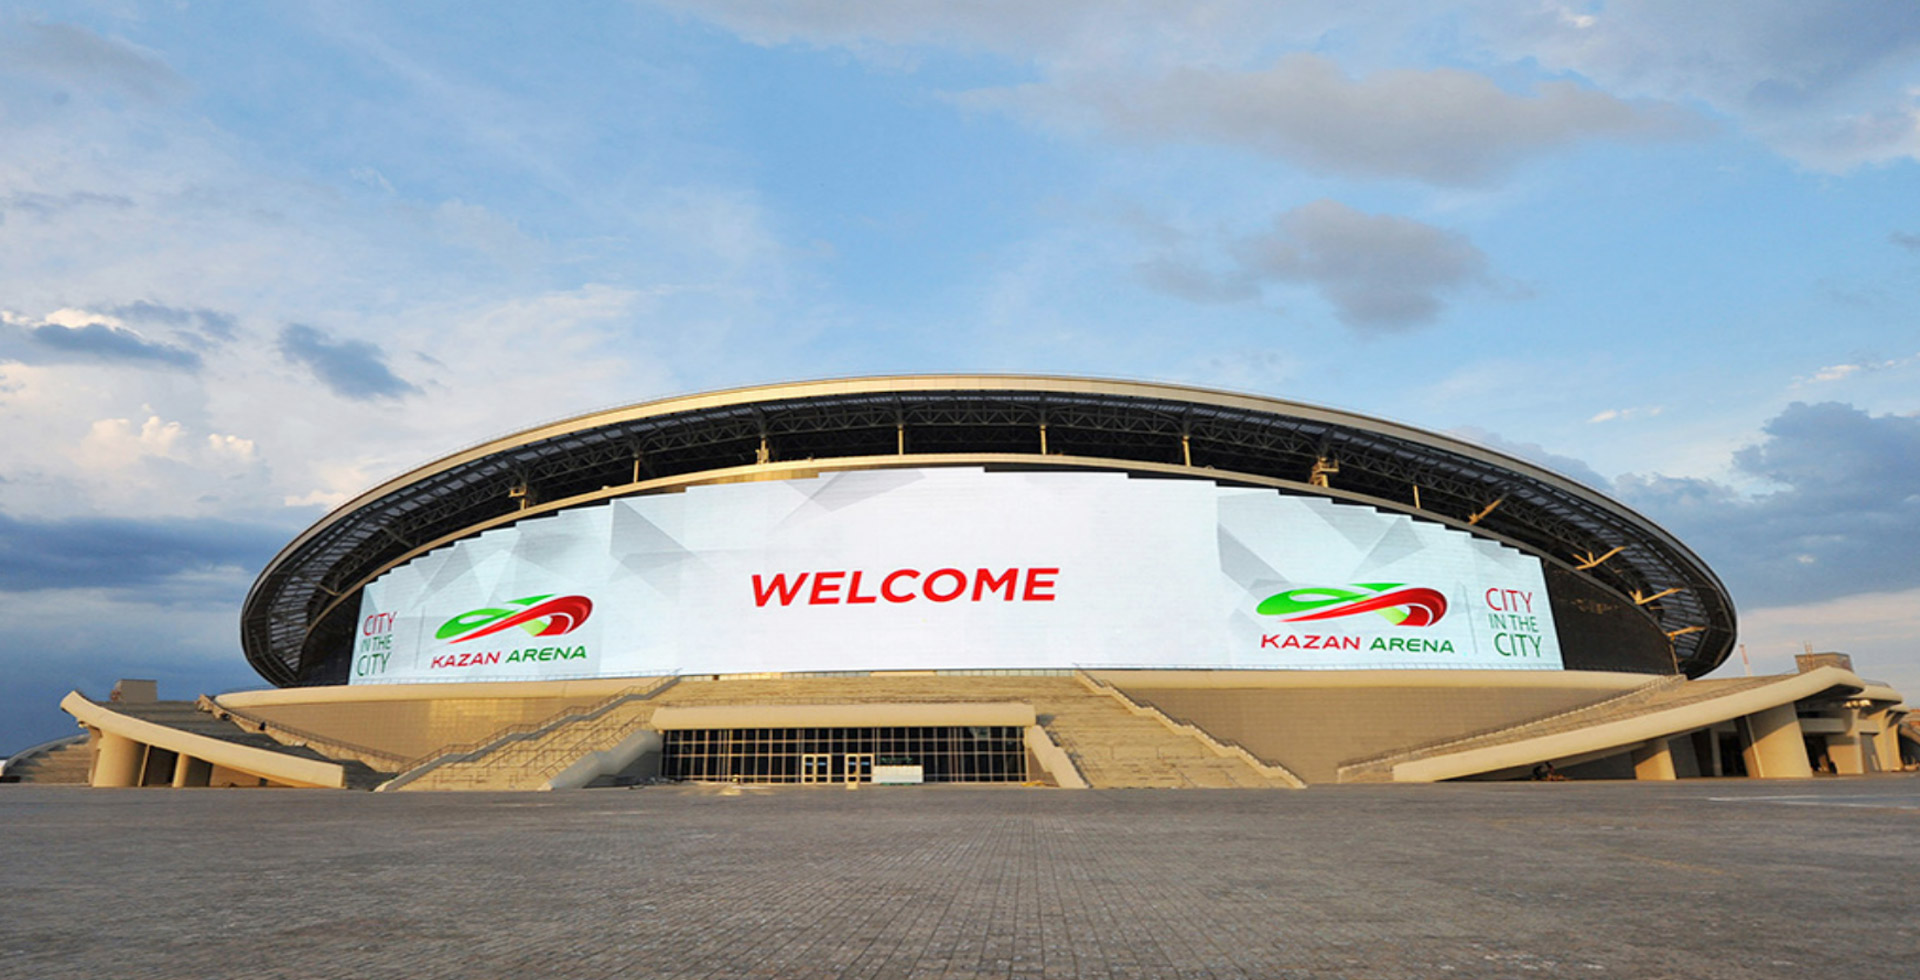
[(541, 762), (472, 752), (453, 748), (1218, 746)]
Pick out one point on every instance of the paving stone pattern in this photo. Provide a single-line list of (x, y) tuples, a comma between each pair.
[(1697, 879)]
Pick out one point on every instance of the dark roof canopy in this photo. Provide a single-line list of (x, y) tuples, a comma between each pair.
[(303, 604)]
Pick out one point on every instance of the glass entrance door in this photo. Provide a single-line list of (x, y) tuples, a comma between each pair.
[(816, 768), (859, 767)]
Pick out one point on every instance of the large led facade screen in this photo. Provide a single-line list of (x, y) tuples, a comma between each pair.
[(909, 569)]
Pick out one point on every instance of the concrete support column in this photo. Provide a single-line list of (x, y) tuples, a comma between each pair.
[(1706, 748), (1775, 747), (1654, 760), (189, 771), (116, 761)]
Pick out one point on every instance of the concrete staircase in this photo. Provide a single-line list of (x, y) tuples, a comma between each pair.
[(1657, 695), (65, 761), (1112, 744), (531, 758), (1251, 771)]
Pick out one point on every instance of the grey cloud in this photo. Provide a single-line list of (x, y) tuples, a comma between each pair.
[(1808, 446), (1842, 522), (74, 56), (1099, 65), (1905, 240), (353, 369), (119, 553), (1825, 81), (1815, 50), (1380, 272), (212, 323), (1443, 126), (102, 342)]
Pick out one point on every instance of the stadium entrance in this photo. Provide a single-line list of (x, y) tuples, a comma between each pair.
[(942, 754)]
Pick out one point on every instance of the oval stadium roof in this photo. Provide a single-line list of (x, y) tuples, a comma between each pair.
[(305, 599)]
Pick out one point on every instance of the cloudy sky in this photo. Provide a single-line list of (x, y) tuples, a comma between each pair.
[(255, 257)]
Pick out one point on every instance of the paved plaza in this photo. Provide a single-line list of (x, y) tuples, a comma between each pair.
[(1697, 879)]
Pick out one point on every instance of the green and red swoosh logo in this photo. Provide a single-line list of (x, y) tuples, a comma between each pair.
[(541, 615), (1394, 601)]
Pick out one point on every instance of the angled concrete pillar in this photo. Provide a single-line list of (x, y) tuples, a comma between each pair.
[(1849, 753), (1654, 760), (116, 761), (1883, 741), (1887, 744), (1686, 756), (1775, 747)]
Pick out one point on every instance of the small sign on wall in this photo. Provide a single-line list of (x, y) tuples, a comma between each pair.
[(899, 775)]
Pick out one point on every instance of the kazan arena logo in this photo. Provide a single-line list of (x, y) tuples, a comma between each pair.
[(1393, 601), (540, 615)]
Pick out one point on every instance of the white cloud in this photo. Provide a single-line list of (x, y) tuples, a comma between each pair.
[(1831, 83), (226, 445), (1881, 630), (1445, 126), (1842, 372), (116, 443), (75, 319), (161, 260), (1621, 414), (323, 499)]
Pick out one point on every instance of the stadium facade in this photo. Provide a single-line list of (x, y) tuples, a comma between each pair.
[(990, 579)]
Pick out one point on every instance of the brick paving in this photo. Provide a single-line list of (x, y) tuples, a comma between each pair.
[(1698, 879)]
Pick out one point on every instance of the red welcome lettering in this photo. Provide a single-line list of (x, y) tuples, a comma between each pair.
[(886, 585), (854, 598), (1038, 579), (787, 593), (984, 581), (959, 585), (826, 588)]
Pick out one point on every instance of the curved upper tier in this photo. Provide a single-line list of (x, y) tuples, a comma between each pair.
[(303, 604)]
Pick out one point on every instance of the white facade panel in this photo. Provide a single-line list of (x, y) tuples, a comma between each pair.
[(954, 569)]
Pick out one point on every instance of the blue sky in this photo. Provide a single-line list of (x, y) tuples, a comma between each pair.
[(255, 257)]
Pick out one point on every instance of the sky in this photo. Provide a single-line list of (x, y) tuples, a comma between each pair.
[(255, 258)]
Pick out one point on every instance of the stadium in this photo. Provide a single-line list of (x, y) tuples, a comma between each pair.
[(984, 579)]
